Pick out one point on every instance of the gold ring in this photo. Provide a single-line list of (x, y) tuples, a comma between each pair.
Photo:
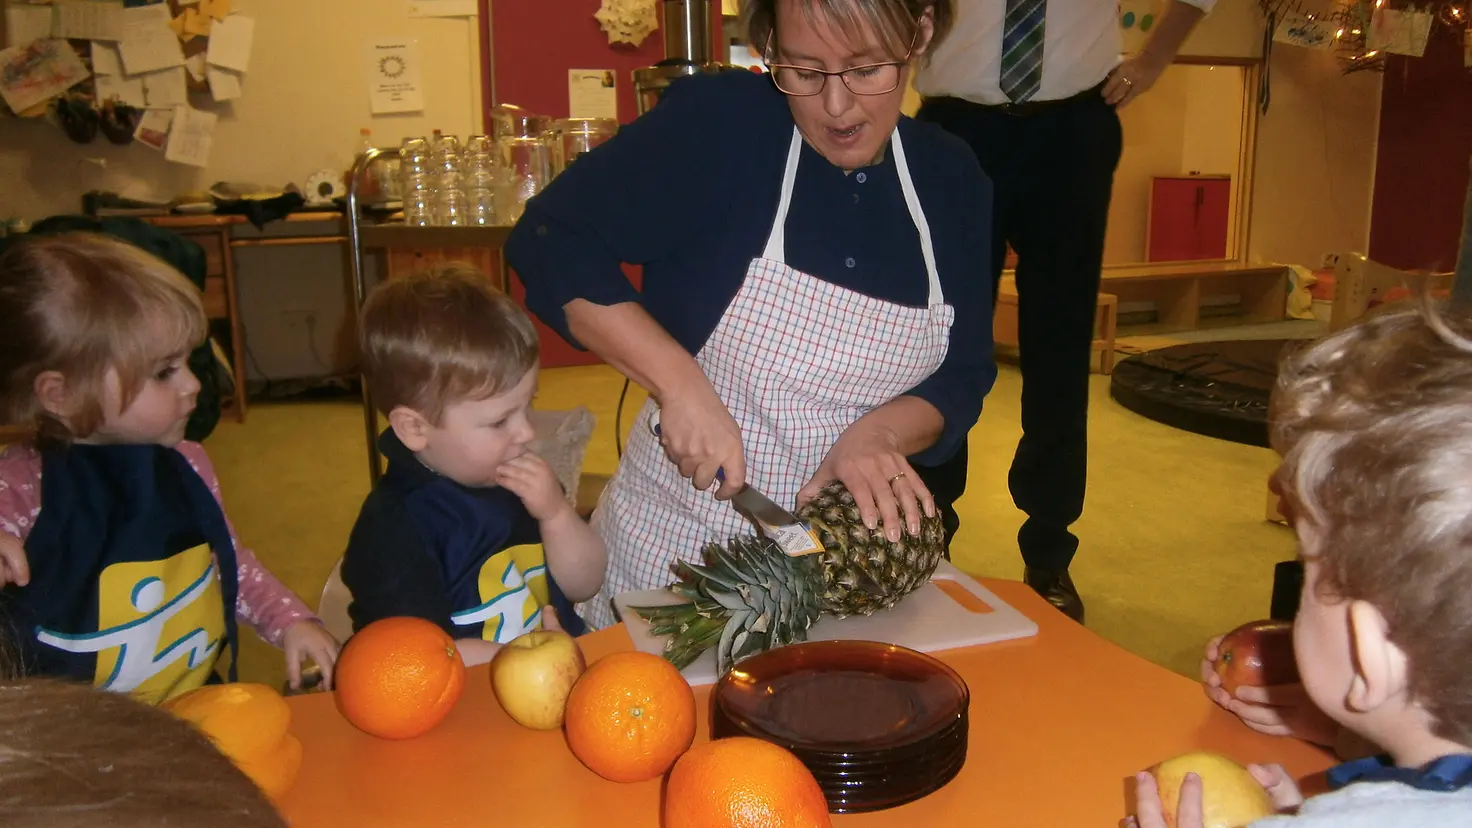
[(1127, 81), (896, 477)]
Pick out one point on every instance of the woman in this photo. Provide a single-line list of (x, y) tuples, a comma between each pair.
[(814, 290)]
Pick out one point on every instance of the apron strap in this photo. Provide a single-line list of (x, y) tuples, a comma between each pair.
[(917, 214), (776, 249)]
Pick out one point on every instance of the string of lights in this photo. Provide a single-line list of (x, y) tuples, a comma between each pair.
[(1350, 22)]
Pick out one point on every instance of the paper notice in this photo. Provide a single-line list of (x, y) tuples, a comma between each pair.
[(26, 23), (153, 128), (148, 44), (224, 84), (106, 60), (89, 20), (191, 136), (166, 88), (37, 72), (393, 77), (195, 65), (592, 93), (1399, 32), (230, 42), (117, 88), (1302, 30)]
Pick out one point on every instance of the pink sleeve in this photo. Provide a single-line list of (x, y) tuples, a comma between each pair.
[(20, 490), (263, 602)]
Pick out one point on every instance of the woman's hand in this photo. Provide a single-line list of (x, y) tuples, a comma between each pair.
[(309, 639), (1280, 710), (867, 459), (701, 437)]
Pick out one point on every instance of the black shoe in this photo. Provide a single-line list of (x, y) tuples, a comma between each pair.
[(1057, 589)]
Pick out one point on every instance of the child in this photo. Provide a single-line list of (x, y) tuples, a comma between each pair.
[(467, 528), (120, 560), (1374, 425)]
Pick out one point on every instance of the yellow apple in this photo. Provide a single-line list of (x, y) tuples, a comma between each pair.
[(533, 675), (1230, 797)]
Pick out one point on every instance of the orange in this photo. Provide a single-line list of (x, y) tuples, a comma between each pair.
[(630, 716), (398, 677), (742, 782), (250, 724)]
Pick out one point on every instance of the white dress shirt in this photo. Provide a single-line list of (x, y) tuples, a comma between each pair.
[(1081, 45)]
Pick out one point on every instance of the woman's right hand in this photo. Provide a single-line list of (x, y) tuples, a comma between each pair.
[(701, 438), (1280, 710)]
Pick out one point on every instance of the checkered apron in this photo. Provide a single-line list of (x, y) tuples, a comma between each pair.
[(796, 360)]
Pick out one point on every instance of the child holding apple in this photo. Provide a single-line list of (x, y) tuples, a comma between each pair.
[(467, 528), (1374, 426)]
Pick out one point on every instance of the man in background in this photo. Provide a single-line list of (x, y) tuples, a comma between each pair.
[(1033, 86)]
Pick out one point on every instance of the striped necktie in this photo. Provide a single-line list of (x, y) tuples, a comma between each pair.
[(1022, 49)]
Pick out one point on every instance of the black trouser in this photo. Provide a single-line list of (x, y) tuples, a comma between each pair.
[(1052, 169)]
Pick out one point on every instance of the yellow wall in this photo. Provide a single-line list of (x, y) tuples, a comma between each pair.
[(306, 97)]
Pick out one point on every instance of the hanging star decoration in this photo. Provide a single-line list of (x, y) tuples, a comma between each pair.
[(628, 21)]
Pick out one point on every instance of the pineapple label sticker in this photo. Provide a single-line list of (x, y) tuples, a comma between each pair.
[(393, 77)]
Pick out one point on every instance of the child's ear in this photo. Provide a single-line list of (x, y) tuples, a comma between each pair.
[(1379, 665), (54, 394), (410, 427)]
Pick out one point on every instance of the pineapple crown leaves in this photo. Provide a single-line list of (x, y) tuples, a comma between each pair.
[(747, 595)]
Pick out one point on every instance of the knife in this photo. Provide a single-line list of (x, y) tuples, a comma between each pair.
[(792, 535)]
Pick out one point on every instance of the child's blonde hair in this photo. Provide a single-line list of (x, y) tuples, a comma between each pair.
[(442, 336), (1374, 425), (72, 756), (82, 305)]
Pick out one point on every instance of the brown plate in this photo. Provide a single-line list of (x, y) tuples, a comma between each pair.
[(843, 699)]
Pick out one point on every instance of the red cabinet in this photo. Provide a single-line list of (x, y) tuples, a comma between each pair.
[(1188, 218)]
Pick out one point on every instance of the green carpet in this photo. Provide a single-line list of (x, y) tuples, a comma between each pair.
[(1174, 545)]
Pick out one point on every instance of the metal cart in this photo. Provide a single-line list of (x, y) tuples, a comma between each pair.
[(364, 237)]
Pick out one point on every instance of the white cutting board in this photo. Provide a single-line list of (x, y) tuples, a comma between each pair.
[(927, 620)]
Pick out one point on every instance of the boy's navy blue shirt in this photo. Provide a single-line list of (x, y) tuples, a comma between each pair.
[(467, 559)]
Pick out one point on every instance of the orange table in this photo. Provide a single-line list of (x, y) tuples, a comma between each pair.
[(1059, 723)]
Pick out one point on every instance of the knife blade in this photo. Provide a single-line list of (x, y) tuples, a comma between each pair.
[(782, 527)]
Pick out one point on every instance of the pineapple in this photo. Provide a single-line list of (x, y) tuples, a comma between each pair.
[(750, 596)]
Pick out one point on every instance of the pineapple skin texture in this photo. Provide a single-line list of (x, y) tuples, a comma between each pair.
[(862, 571)]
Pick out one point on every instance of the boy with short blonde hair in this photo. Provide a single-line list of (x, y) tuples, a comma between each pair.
[(467, 528), (1374, 425)]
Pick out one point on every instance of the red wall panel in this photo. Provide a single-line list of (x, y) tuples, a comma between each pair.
[(1421, 163)]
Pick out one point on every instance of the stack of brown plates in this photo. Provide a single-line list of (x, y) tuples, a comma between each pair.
[(878, 725)]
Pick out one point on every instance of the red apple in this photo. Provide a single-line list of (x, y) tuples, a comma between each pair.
[(1258, 654), (533, 675)]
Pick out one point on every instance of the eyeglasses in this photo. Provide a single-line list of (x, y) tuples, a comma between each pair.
[(868, 79)]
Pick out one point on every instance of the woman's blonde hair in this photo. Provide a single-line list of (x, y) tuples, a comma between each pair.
[(83, 304), (894, 21), (1374, 424)]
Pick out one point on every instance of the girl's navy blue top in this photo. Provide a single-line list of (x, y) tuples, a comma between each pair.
[(689, 191)]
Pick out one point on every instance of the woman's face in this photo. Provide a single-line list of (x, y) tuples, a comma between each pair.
[(847, 129)]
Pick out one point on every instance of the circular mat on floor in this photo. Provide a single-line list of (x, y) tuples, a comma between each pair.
[(1218, 389)]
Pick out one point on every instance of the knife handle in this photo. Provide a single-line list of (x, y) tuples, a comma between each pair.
[(654, 427)]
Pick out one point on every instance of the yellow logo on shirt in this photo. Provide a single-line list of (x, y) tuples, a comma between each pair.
[(513, 590), (159, 626)]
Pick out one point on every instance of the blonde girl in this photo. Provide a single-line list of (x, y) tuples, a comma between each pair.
[(119, 570)]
